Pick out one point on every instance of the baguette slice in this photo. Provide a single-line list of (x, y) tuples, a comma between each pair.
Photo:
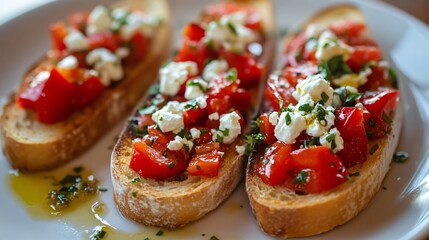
[(31, 146), (282, 213), (172, 204)]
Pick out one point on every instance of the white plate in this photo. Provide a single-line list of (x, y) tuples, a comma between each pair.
[(401, 211)]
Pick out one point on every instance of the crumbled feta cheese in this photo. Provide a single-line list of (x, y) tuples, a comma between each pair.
[(229, 32), (289, 126), (329, 46), (139, 22), (170, 117), (75, 41), (119, 13), (99, 20), (213, 69), (122, 52), (174, 74), (273, 118), (41, 77), (332, 140), (69, 62), (318, 124), (106, 64), (214, 116), (303, 100), (229, 128), (178, 144), (317, 87), (240, 150), (195, 88), (201, 101), (195, 133)]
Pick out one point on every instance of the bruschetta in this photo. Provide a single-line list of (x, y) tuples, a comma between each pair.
[(97, 69), (329, 130), (181, 153)]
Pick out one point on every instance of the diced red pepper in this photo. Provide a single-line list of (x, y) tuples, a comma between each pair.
[(150, 163), (350, 123)]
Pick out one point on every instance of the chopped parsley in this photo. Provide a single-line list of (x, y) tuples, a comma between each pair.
[(334, 67), (348, 98), (98, 234), (102, 189), (251, 141), (160, 233), (191, 104), (387, 118), (393, 77), (231, 75), (232, 28), (225, 132), (301, 178), (171, 165), (196, 83), (72, 187), (288, 120), (325, 97), (214, 238), (331, 139), (312, 142), (135, 180), (305, 108), (400, 157), (350, 175), (134, 194)]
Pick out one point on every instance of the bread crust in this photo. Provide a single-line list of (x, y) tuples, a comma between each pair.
[(31, 146), (172, 204), (281, 212)]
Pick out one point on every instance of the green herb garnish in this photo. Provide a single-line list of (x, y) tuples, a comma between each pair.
[(135, 180), (400, 157)]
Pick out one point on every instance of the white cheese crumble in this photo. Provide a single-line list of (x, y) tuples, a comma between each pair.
[(214, 116), (229, 32), (75, 41), (330, 46), (122, 52), (201, 101), (178, 143), (41, 77), (332, 140), (170, 117), (229, 128), (68, 62), (213, 69), (273, 118), (240, 150), (107, 65), (315, 86), (195, 133), (289, 127), (317, 127), (99, 20), (174, 74), (195, 88), (139, 22)]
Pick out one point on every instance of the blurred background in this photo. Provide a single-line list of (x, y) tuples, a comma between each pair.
[(9, 8), (417, 8)]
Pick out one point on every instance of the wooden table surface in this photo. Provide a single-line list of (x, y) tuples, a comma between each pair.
[(417, 8)]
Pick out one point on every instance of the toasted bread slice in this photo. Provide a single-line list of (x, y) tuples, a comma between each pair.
[(282, 213), (174, 203), (31, 146)]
